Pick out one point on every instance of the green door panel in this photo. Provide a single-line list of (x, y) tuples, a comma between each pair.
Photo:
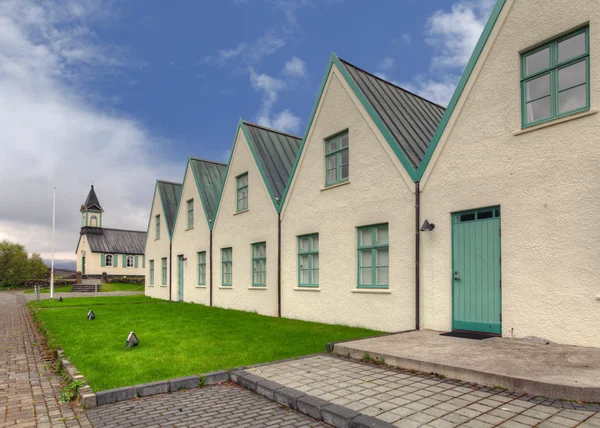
[(476, 273), (180, 276), (83, 265)]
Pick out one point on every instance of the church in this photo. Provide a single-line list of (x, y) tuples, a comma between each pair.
[(115, 252)]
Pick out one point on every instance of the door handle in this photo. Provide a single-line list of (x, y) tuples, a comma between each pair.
[(456, 279)]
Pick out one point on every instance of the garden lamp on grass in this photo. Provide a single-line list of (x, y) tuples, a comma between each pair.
[(91, 315), (132, 341)]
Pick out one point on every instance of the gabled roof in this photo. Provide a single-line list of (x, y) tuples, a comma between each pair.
[(209, 177), (411, 119), (170, 194), (275, 153), (115, 241), (91, 202)]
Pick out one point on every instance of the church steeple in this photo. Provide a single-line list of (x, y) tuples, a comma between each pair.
[(91, 211)]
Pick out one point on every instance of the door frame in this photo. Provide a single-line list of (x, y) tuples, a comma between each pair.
[(452, 282), (180, 277)]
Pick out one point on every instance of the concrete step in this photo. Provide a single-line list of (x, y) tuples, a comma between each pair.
[(84, 288)]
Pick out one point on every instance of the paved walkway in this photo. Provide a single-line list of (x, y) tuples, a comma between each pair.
[(29, 389), (213, 406), (410, 399)]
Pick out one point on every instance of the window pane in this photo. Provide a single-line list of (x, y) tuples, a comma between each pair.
[(366, 237), (331, 176), (303, 262), (345, 171), (382, 235), (366, 258), (315, 276), (303, 244), (366, 276), (538, 87), (344, 157), (304, 277), (573, 99), (572, 75), (537, 61), (383, 258), (331, 162), (382, 275), (571, 48), (315, 243), (315, 261), (538, 110), (345, 140), (331, 145)]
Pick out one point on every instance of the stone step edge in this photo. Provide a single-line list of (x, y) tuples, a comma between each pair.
[(514, 384), (317, 408)]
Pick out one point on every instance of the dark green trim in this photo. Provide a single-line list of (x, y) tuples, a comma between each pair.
[(337, 152), (201, 256), (553, 71), (240, 188), (255, 259), (310, 251), (477, 326), (157, 224), (151, 272), (226, 262), (460, 88), (163, 270)]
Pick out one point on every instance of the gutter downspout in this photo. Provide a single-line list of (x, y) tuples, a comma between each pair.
[(211, 267), (170, 267), (279, 265), (417, 256)]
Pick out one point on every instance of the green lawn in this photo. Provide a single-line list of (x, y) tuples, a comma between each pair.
[(104, 288), (176, 339)]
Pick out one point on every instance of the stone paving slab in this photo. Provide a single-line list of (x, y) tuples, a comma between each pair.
[(29, 389), (407, 398), (211, 406)]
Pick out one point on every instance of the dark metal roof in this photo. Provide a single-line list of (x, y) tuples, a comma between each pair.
[(170, 194), (276, 153), (411, 119), (92, 202), (209, 178), (115, 241)]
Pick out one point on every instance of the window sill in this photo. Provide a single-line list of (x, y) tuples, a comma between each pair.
[(157, 239), (556, 122), (189, 228), (227, 287), (164, 285), (333, 186), (258, 287), (307, 289), (241, 212), (200, 286), (372, 290)]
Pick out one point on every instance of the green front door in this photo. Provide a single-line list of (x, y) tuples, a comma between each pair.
[(476, 279), (83, 265), (180, 276)]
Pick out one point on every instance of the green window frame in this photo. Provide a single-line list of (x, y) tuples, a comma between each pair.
[(373, 256), (164, 270), (555, 79), (242, 192), (308, 260), (259, 264), (158, 226), (202, 268), (151, 268), (337, 159), (226, 267), (190, 214)]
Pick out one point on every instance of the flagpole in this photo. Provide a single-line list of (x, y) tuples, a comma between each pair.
[(53, 228)]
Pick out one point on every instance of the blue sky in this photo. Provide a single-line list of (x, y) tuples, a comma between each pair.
[(119, 93)]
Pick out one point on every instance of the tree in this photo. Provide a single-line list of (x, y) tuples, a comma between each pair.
[(16, 266)]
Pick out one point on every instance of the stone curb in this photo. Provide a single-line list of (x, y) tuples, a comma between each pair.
[(85, 395), (317, 408)]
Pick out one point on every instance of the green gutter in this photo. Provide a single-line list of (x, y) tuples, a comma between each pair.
[(461, 86)]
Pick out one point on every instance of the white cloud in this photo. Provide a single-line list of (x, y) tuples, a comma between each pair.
[(283, 121), (404, 39), (453, 35), (295, 67), (387, 63), (52, 134), (248, 53)]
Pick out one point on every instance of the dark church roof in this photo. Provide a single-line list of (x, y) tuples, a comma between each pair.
[(92, 202), (170, 194), (411, 119), (114, 241)]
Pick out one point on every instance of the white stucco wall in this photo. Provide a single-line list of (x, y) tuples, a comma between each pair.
[(93, 262), (239, 231), (188, 242), (379, 191), (156, 249), (546, 181)]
